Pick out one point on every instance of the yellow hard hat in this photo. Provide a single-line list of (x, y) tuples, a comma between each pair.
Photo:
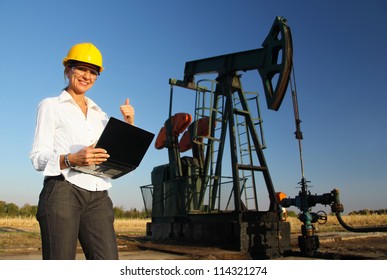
[(85, 52)]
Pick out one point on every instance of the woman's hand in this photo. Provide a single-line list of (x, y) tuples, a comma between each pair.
[(88, 156), (127, 112)]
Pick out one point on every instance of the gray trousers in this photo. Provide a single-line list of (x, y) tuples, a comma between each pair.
[(67, 214)]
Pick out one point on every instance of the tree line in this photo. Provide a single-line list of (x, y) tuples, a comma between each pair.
[(11, 210), (369, 212), (27, 210)]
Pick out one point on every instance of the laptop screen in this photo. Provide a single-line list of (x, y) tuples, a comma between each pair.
[(125, 143)]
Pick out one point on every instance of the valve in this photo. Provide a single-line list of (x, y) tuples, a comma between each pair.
[(322, 217)]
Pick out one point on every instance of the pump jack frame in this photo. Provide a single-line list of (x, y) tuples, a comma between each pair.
[(262, 234)]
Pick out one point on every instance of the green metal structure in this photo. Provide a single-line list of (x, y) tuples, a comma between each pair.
[(192, 200)]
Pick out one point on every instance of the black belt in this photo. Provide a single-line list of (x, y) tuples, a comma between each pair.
[(58, 178)]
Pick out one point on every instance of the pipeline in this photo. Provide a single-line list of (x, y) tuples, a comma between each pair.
[(337, 208), (360, 229)]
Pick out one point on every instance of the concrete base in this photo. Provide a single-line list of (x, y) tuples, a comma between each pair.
[(261, 235)]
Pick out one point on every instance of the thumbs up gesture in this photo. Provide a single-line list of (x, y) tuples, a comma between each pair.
[(127, 112)]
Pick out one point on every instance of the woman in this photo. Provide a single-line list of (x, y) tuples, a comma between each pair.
[(74, 205)]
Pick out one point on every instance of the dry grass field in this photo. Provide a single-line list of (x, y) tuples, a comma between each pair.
[(122, 226), (21, 235), (333, 225), (138, 226)]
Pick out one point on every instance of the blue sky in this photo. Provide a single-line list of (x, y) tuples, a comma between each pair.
[(340, 64)]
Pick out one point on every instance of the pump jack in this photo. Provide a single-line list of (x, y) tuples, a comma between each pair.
[(190, 198), (188, 193)]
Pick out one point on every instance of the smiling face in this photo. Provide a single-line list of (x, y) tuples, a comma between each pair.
[(81, 77)]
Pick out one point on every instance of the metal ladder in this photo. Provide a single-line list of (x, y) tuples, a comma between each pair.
[(248, 158), (209, 105), (246, 149), (245, 146)]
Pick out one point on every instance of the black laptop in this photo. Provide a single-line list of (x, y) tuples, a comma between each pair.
[(126, 144)]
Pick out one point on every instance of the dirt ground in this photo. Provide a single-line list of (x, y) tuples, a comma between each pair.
[(342, 245), (354, 246), (337, 246)]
